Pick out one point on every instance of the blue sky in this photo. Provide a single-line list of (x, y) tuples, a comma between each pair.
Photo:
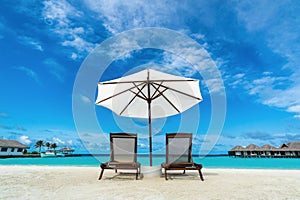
[(254, 45)]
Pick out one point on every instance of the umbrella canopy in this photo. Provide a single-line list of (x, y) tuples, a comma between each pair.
[(149, 94)]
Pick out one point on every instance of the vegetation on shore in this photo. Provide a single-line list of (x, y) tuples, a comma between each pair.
[(40, 143)]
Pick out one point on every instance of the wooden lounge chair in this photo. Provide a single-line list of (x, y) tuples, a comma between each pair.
[(123, 153), (179, 154)]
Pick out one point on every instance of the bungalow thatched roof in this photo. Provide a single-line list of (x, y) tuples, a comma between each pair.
[(12, 144), (237, 148), (252, 147), (292, 146), (67, 149), (283, 146), (267, 147)]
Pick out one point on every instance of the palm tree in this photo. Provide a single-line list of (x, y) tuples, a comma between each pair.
[(47, 144), (39, 144), (53, 146)]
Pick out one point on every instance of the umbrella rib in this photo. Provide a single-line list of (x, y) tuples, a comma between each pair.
[(140, 91), (136, 94), (166, 99), (152, 97), (129, 89), (116, 82), (158, 95), (175, 80), (186, 94)]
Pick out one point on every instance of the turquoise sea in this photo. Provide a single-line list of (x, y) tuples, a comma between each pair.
[(208, 162)]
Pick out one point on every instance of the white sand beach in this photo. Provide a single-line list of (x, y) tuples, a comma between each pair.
[(43, 182)]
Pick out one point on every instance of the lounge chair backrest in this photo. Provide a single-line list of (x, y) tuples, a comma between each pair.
[(123, 147), (178, 147)]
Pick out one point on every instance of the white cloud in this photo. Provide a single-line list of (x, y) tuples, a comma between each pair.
[(121, 15), (60, 15), (35, 44), (184, 56), (58, 141), (95, 142), (215, 85), (202, 63), (25, 140), (258, 15), (264, 86), (118, 15), (235, 81), (295, 109), (79, 43), (274, 91), (266, 80), (267, 73), (239, 76), (198, 36), (30, 73), (297, 116), (69, 142), (59, 12), (173, 63), (55, 68), (74, 56), (121, 47), (280, 29)]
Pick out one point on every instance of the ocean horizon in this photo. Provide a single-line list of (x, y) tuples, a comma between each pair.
[(207, 161)]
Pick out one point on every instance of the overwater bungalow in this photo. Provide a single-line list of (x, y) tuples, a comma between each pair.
[(286, 150), (267, 151), (238, 151), (252, 150)]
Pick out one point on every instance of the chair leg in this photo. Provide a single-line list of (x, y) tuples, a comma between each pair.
[(201, 176), (166, 174), (136, 174), (183, 171), (101, 174), (116, 171)]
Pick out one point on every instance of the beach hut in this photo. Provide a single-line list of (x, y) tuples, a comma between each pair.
[(290, 149), (11, 148), (267, 150), (252, 150), (286, 150), (66, 150), (237, 151)]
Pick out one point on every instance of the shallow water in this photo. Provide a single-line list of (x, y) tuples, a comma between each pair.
[(208, 162)]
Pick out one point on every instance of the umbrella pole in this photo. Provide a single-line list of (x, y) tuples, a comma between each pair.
[(150, 131), (149, 116)]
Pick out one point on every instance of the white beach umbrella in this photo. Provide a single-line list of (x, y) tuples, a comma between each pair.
[(149, 94)]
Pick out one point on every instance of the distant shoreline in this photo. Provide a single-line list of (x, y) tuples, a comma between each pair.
[(139, 155), (83, 154)]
